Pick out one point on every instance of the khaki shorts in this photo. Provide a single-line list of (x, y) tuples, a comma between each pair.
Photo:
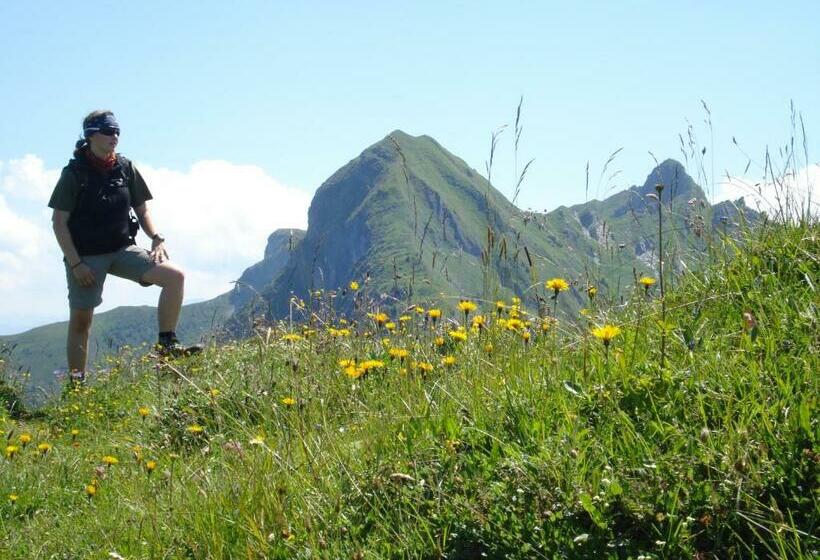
[(129, 262)]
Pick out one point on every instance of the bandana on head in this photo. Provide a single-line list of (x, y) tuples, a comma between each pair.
[(99, 123)]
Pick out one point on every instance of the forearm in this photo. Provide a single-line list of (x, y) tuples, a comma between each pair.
[(147, 222), (66, 244)]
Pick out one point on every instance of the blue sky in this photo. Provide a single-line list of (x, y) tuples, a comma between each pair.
[(298, 89)]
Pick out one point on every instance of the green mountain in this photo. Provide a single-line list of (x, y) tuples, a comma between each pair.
[(421, 226)]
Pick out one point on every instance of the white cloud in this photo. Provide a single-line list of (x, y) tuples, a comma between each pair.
[(216, 216), (793, 192)]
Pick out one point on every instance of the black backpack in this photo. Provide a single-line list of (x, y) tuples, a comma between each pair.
[(82, 179)]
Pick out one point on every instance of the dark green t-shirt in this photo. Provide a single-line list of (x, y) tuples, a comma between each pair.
[(67, 190)]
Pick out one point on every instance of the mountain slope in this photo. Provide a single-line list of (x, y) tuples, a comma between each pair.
[(420, 224)]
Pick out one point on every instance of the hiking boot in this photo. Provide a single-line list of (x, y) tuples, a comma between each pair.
[(174, 349)]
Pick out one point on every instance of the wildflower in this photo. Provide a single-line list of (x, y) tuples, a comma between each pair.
[(91, 490), (354, 286), (379, 318), (557, 285), (143, 411), (195, 429), (526, 336), (499, 307), (434, 314), (479, 322), (606, 333), (258, 440), (516, 301), (150, 466), (514, 325), (110, 460), (400, 353), (448, 361), (404, 319), (488, 348), (213, 392), (346, 363), (592, 291), (439, 341), (74, 433), (44, 448), (25, 439), (545, 324), (353, 372), (466, 306), (288, 401), (419, 310), (13, 498), (291, 337), (390, 326), (425, 367), (458, 335), (367, 365), (646, 282), (11, 451)]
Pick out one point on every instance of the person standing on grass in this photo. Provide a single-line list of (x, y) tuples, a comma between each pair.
[(92, 221)]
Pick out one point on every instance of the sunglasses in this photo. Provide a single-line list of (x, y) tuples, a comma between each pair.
[(109, 131)]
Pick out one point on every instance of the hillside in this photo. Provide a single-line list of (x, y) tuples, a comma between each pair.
[(522, 438), (421, 226)]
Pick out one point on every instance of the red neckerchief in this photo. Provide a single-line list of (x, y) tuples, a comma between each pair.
[(99, 164)]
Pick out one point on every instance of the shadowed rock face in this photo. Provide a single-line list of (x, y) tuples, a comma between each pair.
[(281, 244)]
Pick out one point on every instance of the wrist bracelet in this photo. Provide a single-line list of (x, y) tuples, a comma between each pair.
[(78, 264)]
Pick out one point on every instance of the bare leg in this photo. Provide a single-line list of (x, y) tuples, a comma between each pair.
[(79, 325), (172, 281)]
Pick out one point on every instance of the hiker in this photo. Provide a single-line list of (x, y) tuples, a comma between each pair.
[(95, 228)]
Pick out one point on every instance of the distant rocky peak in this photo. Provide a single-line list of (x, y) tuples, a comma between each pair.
[(676, 181)]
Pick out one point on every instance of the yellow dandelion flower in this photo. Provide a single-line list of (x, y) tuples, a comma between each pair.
[(606, 333), (448, 361), (91, 490), (646, 281), (11, 451), (545, 325), (516, 301), (353, 372), (526, 336), (150, 466), (458, 335), (404, 318), (400, 353), (367, 365), (354, 286), (292, 337), (13, 498), (592, 291), (288, 401), (74, 433), (419, 310), (25, 439), (390, 326), (425, 367), (557, 285), (142, 411), (499, 306), (44, 447), (439, 341), (195, 429), (434, 314), (379, 318), (346, 363), (479, 322), (466, 306), (110, 460), (488, 348)]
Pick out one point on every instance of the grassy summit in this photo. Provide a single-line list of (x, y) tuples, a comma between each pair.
[(409, 437)]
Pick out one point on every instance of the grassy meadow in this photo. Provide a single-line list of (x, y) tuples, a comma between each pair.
[(682, 426)]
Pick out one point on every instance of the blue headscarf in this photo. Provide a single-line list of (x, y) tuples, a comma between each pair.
[(100, 122)]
